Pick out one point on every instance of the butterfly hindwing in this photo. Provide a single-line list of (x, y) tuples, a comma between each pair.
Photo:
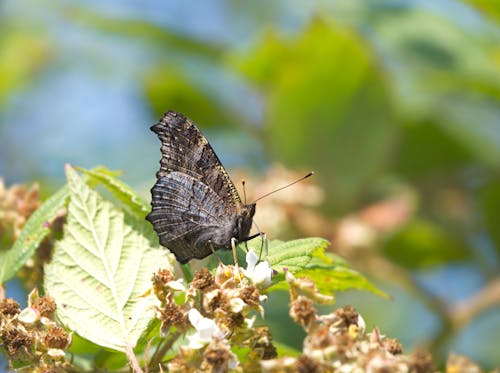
[(186, 150), (186, 215)]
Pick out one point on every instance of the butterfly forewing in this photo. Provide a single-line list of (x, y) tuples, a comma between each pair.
[(185, 149)]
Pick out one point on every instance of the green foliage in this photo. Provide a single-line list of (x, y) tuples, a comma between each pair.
[(325, 91), (422, 244), (23, 56), (490, 201), (304, 257), (101, 270), (34, 231), (130, 199)]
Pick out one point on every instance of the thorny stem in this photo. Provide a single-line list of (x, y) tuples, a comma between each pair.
[(160, 352)]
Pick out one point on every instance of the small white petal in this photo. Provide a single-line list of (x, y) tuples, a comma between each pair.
[(55, 352), (262, 274), (176, 285), (47, 322), (361, 324), (28, 316), (194, 316), (237, 305), (250, 322), (252, 259)]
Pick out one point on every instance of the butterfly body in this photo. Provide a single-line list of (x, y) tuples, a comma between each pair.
[(195, 207)]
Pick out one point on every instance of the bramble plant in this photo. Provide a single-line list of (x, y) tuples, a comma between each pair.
[(112, 299)]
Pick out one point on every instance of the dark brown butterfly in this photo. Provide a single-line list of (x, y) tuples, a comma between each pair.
[(195, 207)]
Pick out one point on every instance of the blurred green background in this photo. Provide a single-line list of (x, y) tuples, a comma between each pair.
[(383, 99)]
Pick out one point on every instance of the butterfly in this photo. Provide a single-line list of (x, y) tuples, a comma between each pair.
[(195, 207)]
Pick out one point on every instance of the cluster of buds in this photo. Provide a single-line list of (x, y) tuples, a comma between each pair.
[(17, 203), (217, 312), (31, 336), (338, 342)]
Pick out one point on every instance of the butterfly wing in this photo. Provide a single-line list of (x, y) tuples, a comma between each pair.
[(188, 216), (185, 149)]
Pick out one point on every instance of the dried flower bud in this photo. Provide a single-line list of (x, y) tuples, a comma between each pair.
[(421, 362), (45, 306), (9, 307), (173, 315), (393, 346), (250, 295), (348, 315), (162, 277), (305, 364), (303, 312), (219, 358), (203, 280), (14, 339), (56, 338)]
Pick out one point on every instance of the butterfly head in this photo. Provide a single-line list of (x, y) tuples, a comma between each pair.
[(244, 221)]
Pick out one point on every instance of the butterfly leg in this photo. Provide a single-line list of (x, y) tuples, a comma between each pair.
[(235, 257), (213, 252)]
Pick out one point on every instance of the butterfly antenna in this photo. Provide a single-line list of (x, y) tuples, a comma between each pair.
[(244, 191), (286, 186)]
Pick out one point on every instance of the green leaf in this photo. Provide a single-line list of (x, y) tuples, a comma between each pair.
[(101, 270), (294, 255), (34, 231), (120, 190)]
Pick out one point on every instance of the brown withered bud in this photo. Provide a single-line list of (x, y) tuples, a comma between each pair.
[(173, 315), (162, 277), (203, 280), (421, 362), (319, 339), (14, 339), (160, 280), (343, 343), (46, 306), (9, 307), (302, 311), (233, 320), (219, 358), (250, 295), (268, 351), (393, 346), (56, 337), (261, 345), (348, 314), (307, 365), (214, 300)]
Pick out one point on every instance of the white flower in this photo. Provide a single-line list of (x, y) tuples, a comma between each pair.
[(260, 273), (206, 329)]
